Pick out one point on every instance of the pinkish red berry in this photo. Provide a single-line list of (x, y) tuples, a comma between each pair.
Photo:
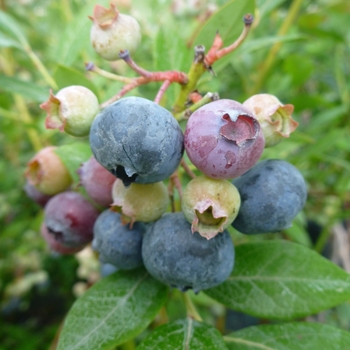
[(97, 181), (70, 218), (33, 193), (47, 173), (57, 246), (223, 139)]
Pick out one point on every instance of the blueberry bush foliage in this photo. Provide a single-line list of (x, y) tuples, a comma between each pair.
[(155, 191)]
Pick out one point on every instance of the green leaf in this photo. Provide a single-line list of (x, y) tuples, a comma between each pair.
[(282, 280), (289, 336), (6, 41), (184, 334), (267, 6), (297, 232), (67, 76), (265, 42), (10, 26), (228, 22), (72, 156), (169, 53), (74, 39), (24, 88), (112, 311)]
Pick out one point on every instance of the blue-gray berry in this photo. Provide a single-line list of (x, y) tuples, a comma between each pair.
[(118, 244), (137, 140), (272, 193), (175, 256)]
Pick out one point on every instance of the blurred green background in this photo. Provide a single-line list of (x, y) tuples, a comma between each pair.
[(297, 50)]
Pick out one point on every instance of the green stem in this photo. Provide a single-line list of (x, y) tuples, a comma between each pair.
[(196, 71), (208, 97), (41, 68), (27, 119), (67, 11), (103, 73), (323, 239), (292, 13), (191, 309), (129, 345), (6, 61), (340, 76)]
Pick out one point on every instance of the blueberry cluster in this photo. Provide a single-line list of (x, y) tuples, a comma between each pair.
[(127, 210), (137, 145)]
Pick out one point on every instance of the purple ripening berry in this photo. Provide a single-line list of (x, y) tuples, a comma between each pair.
[(223, 139), (70, 217), (55, 245), (97, 181)]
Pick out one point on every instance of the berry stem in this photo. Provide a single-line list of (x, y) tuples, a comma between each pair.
[(145, 78), (173, 76), (41, 68), (162, 90), (208, 97), (248, 20), (189, 172), (203, 63), (131, 63), (134, 83), (174, 181), (196, 71), (93, 68), (190, 308)]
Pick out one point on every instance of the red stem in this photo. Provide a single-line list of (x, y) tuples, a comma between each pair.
[(161, 91)]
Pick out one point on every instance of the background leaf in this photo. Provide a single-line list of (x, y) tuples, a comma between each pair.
[(289, 336), (26, 89), (282, 280), (10, 26), (73, 155), (112, 311), (184, 334), (6, 41), (67, 76)]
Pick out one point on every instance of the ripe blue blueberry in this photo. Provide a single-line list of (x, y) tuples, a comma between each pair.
[(175, 256), (137, 140), (272, 194), (118, 244)]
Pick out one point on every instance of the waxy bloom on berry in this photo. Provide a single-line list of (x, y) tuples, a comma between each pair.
[(223, 139)]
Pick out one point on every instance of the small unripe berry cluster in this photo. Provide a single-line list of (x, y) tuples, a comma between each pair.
[(137, 147)]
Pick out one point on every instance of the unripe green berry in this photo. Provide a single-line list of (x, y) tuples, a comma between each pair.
[(274, 117), (47, 173), (210, 205), (140, 202), (71, 110), (113, 32)]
